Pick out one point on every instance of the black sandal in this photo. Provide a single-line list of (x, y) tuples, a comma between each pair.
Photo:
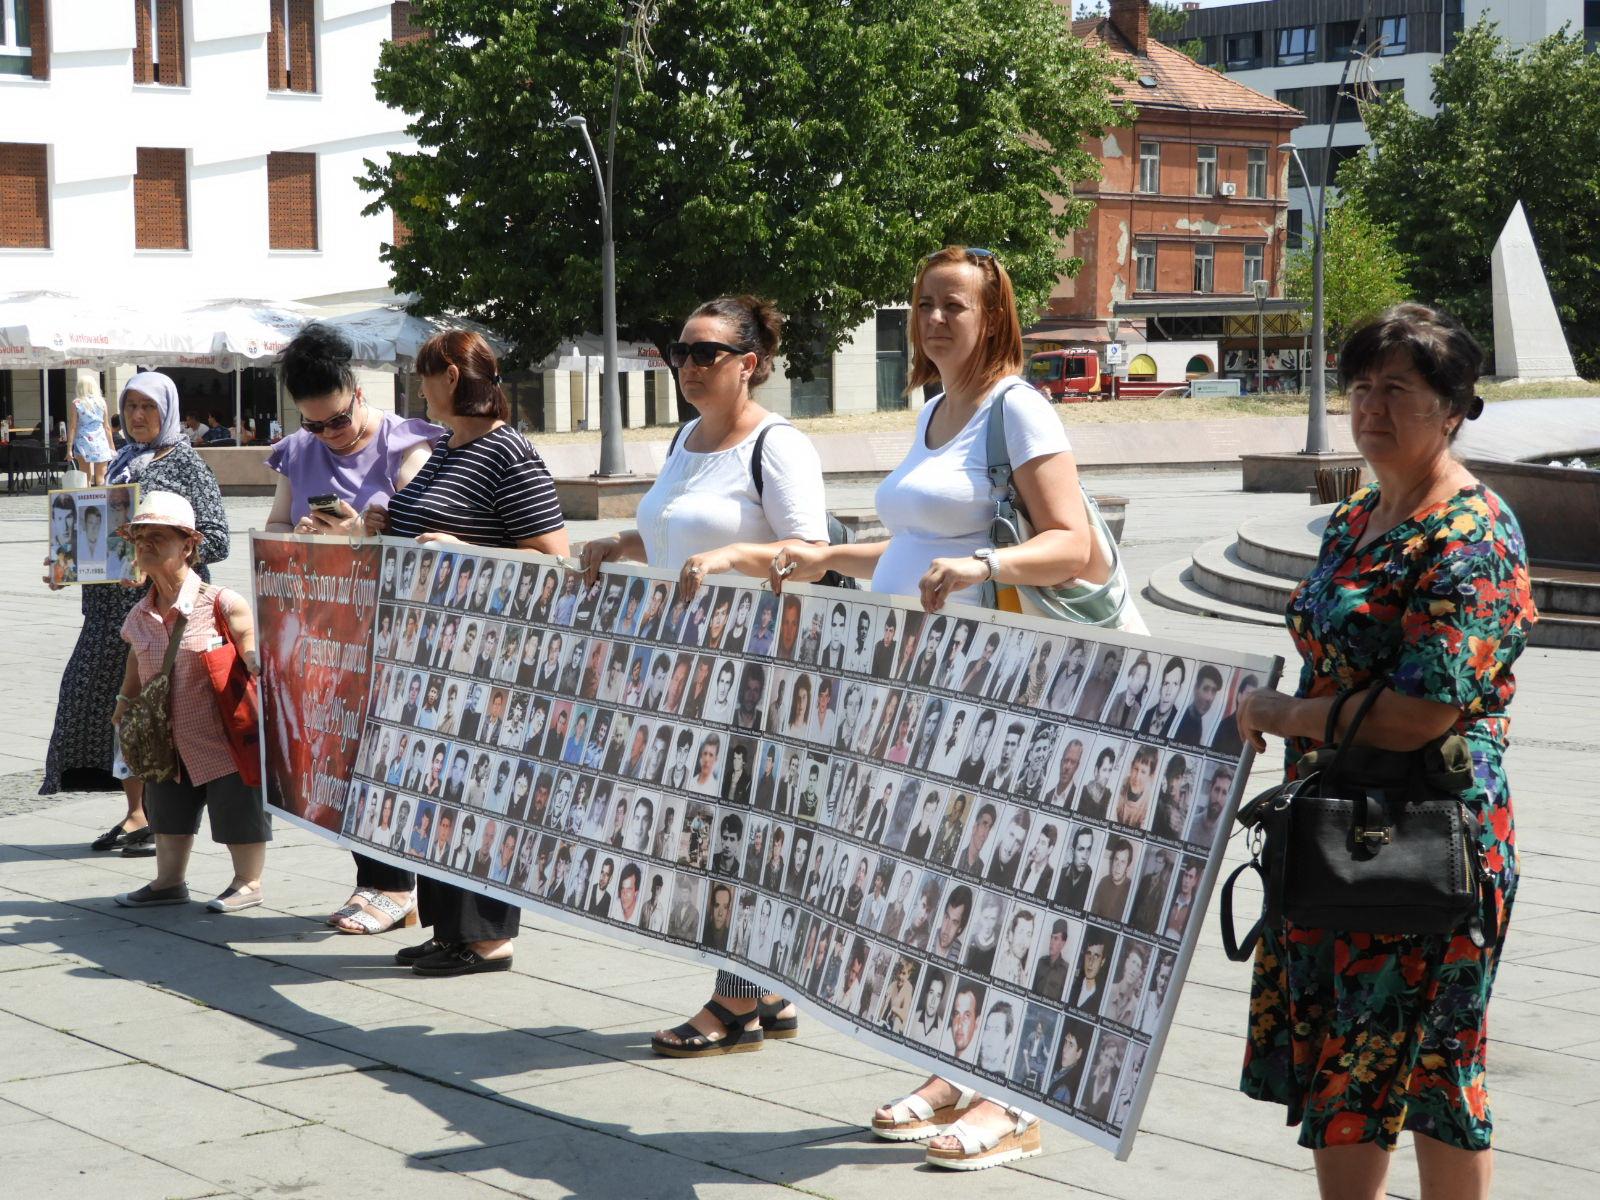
[(691, 1043), (118, 836), (774, 1026)]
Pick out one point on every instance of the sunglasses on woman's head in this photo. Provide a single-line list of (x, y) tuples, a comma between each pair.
[(333, 424), (703, 354), (969, 251)]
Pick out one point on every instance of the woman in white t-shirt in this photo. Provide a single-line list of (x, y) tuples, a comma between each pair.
[(704, 516), (936, 505)]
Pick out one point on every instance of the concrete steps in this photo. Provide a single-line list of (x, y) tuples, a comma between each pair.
[(1250, 577)]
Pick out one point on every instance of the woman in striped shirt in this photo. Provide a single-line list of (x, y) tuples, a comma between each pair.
[(485, 486)]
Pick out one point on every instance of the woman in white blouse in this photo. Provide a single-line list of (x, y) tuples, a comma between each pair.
[(936, 505), (704, 516)]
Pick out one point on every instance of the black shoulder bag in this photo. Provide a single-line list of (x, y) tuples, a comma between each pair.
[(1367, 841), (838, 535)]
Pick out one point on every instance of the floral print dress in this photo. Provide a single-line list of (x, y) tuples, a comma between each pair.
[(1364, 1035)]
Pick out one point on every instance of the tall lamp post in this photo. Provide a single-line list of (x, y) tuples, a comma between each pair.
[(1317, 418), (1261, 287), (612, 459)]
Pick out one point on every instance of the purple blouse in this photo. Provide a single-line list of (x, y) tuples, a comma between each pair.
[(361, 479)]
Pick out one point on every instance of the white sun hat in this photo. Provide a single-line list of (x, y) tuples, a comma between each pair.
[(162, 508)]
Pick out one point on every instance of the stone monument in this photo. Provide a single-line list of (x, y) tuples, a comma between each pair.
[(1528, 341)]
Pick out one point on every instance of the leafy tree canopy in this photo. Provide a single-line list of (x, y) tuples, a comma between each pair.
[(1363, 273), (1512, 125), (810, 150)]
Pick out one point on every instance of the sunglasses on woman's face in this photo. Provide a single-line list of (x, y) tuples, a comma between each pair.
[(334, 423), (703, 354)]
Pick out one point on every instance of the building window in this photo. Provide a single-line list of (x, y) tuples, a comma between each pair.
[(1297, 46), (24, 41), (1149, 167), (1392, 33), (401, 26), (1205, 267), (1342, 40), (1341, 107), (894, 359), (1389, 87), (1144, 266), (161, 200), (1295, 234), (1297, 177), (292, 201), (1255, 266), (24, 196), (291, 46), (1293, 97), (1205, 170), (1242, 51), (1255, 173), (158, 42)]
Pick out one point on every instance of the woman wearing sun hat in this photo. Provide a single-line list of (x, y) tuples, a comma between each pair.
[(166, 548)]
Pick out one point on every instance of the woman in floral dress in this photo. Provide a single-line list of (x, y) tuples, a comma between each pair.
[(1422, 580)]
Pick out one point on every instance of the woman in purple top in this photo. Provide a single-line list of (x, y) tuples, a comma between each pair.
[(347, 449)]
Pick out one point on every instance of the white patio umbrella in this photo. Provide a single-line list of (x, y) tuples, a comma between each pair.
[(243, 332), (387, 336), (58, 329)]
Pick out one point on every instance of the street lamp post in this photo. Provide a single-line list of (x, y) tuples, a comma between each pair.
[(1317, 417), (612, 459), (1260, 287)]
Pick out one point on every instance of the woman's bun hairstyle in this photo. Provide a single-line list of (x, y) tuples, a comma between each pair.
[(316, 363), (757, 326)]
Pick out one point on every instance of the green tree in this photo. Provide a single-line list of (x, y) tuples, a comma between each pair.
[(1512, 125), (1363, 273), (1167, 22), (811, 150)]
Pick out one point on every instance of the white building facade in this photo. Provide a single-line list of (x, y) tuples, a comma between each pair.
[(1295, 51)]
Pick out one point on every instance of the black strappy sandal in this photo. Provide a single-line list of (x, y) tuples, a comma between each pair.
[(772, 1025), (735, 1039)]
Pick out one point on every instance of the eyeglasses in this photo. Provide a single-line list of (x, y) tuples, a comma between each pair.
[(334, 423), (703, 353)]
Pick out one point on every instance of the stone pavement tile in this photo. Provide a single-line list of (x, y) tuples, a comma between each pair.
[(73, 997), (514, 1000), (1579, 897), (45, 1161), (1581, 959), (33, 1050), (1543, 1129), (1220, 1010), (466, 1052), (313, 1162), (599, 1166), (692, 1119), (848, 1099), (405, 1113), (314, 861), (817, 1036), (22, 958), (144, 1107), (1220, 1118), (12, 1114), (1203, 1056), (1540, 1026), (678, 996), (225, 1051), (858, 1166), (1525, 981), (1541, 1073), (1582, 926), (1164, 1165), (607, 967)]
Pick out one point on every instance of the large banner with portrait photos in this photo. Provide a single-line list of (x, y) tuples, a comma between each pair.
[(979, 841)]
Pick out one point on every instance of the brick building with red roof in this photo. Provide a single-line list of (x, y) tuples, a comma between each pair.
[(1192, 195)]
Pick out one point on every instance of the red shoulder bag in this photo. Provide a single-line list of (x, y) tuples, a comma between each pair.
[(237, 702)]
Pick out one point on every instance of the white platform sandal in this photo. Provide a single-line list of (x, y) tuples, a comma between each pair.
[(913, 1119), (984, 1148)]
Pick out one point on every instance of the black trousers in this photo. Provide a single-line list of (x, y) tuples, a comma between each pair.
[(462, 916), (370, 873)]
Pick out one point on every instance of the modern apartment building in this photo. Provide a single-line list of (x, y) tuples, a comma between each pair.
[(1295, 51)]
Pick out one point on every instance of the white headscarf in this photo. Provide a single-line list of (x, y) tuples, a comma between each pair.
[(133, 458)]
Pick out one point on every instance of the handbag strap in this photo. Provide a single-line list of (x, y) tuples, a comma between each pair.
[(1235, 948), (1368, 699), (173, 639), (1008, 505)]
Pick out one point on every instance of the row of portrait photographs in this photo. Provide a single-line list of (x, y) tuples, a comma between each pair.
[(1161, 697)]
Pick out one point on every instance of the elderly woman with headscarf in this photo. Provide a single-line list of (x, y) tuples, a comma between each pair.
[(157, 457)]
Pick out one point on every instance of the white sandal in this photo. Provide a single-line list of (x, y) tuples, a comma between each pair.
[(913, 1119), (362, 896), (983, 1148), (397, 915)]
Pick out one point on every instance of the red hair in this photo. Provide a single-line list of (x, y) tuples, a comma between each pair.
[(477, 391), (999, 349)]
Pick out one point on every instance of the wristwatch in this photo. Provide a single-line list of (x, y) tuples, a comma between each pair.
[(990, 558)]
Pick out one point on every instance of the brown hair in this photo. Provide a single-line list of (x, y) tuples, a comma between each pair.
[(477, 391), (1438, 346), (757, 326), (999, 350)]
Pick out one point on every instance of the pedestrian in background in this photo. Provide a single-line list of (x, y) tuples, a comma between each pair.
[(86, 431)]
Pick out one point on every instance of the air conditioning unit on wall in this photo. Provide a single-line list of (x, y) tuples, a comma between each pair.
[(1227, 189)]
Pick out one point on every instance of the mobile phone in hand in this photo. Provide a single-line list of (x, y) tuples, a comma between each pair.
[(327, 505)]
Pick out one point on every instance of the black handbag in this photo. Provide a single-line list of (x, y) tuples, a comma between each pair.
[(1365, 840)]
